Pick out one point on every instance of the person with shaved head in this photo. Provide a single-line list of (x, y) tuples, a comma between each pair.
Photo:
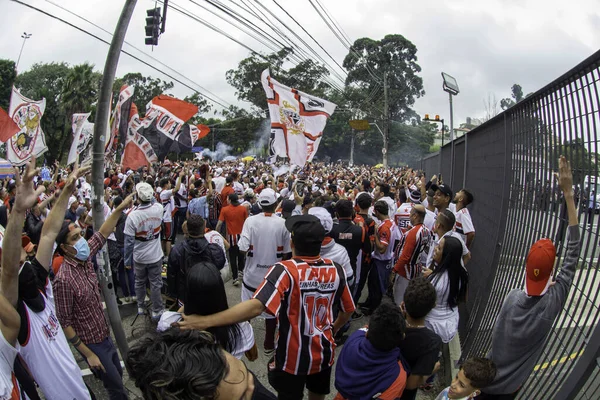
[(411, 253)]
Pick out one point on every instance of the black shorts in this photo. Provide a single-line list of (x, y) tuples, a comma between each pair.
[(291, 387), (166, 233)]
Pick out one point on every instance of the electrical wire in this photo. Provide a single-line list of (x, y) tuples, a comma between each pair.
[(141, 51), (122, 51)]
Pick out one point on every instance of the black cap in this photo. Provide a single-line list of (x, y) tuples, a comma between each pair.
[(287, 206), (306, 229), (445, 189)]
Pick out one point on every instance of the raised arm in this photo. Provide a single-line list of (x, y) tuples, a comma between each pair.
[(109, 225), (26, 196), (56, 217)]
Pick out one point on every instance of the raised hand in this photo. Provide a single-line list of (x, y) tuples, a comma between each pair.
[(565, 176), (26, 195)]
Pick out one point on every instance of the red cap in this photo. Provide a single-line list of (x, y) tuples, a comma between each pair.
[(539, 265)]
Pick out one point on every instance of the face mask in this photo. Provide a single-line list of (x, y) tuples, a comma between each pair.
[(83, 250)]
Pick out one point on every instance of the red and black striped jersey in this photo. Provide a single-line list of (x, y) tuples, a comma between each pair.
[(301, 293), (411, 253)]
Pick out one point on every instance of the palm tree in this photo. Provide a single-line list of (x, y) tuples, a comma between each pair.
[(79, 93)]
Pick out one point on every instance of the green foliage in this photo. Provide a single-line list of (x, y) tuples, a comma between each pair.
[(8, 74), (369, 59), (307, 76), (583, 162), (203, 107), (146, 88)]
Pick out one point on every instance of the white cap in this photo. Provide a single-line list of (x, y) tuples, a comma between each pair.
[(218, 171), (323, 216), (72, 200), (267, 197), (144, 192)]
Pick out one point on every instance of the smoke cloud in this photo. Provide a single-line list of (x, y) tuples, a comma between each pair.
[(261, 139), (220, 154)]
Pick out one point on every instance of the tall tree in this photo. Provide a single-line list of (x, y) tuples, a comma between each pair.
[(516, 96), (306, 76), (146, 88), (366, 63), (8, 74)]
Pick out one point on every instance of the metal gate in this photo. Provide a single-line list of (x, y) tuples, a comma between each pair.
[(510, 162)]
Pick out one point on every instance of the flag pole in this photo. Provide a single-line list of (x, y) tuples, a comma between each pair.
[(100, 130)]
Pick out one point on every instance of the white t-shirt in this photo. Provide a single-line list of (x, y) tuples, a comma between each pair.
[(265, 239), (166, 199), (238, 188), (338, 253), (48, 356), (145, 224), (219, 183), (442, 319), (464, 223), (182, 198), (8, 382), (215, 237), (402, 216)]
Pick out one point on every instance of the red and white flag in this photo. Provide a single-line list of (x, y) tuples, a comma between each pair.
[(8, 127), (30, 140), (297, 121), (83, 131), (119, 122), (138, 151)]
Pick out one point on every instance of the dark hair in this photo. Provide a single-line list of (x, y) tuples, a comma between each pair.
[(270, 208), (234, 175), (177, 365), (480, 371), (195, 225), (384, 188), (117, 201), (344, 208), (402, 196), (228, 179), (386, 326), (193, 193), (458, 276), (447, 220), (381, 207), (364, 201), (205, 295), (468, 197), (419, 297), (306, 249), (420, 212)]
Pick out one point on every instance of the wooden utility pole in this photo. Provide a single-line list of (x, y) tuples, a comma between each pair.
[(386, 120)]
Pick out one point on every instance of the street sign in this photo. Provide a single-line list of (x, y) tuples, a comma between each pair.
[(359, 124), (197, 149)]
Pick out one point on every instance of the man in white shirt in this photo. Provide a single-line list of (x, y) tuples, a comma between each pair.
[(443, 227), (266, 241), (166, 198), (219, 180), (143, 250), (464, 224)]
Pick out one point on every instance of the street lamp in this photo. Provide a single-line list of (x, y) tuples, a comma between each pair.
[(451, 86), (25, 36)]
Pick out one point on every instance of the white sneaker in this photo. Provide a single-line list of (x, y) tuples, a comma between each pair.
[(236, 282), (126, 299), (156, 315), (141, 311)]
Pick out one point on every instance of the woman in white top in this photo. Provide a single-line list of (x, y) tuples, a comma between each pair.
[(205, 295), (450, 280)]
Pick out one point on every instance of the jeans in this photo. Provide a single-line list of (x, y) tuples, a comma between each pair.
[(151, 273), (237, 260), (383, 269), (178, 219), (113, 377), (361, 280), (127, 286)]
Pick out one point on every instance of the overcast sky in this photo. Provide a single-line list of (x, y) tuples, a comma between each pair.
[(487, 45)]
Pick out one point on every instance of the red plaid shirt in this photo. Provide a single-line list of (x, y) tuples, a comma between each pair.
[(77, 296)]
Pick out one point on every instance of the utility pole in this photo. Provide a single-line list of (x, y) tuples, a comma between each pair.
[(100, 130), (386, 121)]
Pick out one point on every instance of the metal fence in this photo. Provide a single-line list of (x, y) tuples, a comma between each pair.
[(508, 164)]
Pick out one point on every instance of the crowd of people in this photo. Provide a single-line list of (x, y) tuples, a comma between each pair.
[(301, 245)]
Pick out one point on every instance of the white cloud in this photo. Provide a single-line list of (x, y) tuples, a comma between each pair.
[(486, 45)]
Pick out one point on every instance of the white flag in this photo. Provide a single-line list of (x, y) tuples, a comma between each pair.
[(30, 141), (297, 120), (83, 130)]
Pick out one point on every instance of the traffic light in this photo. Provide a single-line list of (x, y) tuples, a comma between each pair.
[(437, 117), (426, 117), (152, 26)]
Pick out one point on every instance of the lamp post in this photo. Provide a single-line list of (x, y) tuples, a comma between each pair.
[(25, 36), (451, 86)]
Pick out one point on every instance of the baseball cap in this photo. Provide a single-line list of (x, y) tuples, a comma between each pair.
[(218, 171), (267, 197), (305, 229), (233, 198), (415, 196), (144, 192), (72, 200), (445, 189), (287, 206), (539, 265), (324, 217)]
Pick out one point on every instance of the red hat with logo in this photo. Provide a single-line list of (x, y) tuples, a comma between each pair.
[(539, 265)]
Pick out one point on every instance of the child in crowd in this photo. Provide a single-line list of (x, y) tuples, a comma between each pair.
[(474, 374), (370, 364)]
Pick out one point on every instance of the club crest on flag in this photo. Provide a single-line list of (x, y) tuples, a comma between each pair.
[(29, 141), (291, 119)]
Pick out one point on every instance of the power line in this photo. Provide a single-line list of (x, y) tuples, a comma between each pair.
[(122, 51), (138, 49)]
